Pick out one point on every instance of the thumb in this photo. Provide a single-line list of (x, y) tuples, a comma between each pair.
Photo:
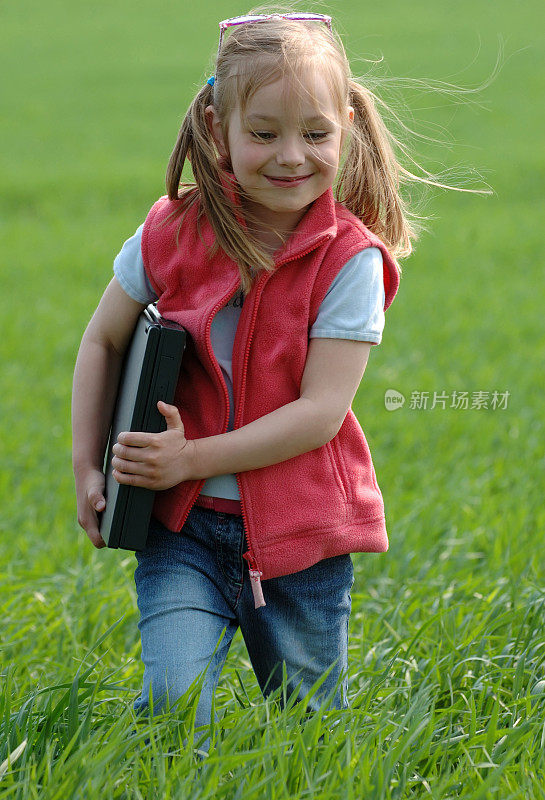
[(171, 414), (97, 500)]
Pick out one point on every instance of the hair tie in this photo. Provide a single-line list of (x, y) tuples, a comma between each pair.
[(211, 80)]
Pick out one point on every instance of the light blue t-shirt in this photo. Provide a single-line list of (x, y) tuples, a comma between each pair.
[(353, 308)]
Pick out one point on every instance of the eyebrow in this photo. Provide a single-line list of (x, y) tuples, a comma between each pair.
[(266, 118)]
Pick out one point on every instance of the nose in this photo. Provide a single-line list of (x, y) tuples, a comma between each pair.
[(290, 152)]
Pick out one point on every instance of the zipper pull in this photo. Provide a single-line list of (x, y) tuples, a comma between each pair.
[(255, 580)]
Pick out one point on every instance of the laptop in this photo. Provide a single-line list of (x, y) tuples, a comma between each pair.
[(149, 373)]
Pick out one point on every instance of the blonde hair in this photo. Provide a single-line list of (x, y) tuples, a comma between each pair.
[(368, 183)]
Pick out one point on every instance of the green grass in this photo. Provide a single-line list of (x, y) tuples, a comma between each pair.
[(447, 662)]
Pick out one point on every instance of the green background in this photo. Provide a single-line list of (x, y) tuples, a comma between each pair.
[(446, 636)]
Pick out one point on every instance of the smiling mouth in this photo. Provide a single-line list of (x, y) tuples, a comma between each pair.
[(287, 181)]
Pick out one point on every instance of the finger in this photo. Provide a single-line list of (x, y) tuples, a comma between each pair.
[(130, 479), (136, 438), (166, 408), (90, 526), (171, 414), (127, 453), (97, 500), (131, 467), (96, 538)]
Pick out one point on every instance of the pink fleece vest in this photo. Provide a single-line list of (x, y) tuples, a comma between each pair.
[(316, 505)]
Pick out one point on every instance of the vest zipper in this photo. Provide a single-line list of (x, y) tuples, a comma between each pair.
[(255, 580), (253, 568)]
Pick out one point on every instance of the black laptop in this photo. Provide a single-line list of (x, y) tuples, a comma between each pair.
[(149, 373)]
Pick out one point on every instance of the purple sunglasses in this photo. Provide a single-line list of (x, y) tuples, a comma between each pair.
[(302, 17)]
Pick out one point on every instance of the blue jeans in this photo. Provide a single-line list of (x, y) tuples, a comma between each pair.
[(194, 585)]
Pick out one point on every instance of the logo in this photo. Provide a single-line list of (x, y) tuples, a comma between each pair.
[(393, 400)]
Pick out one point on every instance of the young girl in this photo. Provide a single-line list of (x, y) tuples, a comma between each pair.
[(264, 479)]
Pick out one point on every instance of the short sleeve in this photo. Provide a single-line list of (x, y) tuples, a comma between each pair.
[(353, 307), (129, 270)]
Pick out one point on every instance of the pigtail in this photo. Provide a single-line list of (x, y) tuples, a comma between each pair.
[(368, 184), (195, 144)]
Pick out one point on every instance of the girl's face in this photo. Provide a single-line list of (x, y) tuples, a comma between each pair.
[(285, 151)]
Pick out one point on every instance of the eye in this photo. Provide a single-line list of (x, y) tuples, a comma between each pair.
[(264, 136), (315, 136)]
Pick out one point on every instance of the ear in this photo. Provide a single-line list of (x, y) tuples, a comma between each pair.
[(214, 126)]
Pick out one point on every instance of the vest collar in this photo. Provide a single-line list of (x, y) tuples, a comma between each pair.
[(318, 224)]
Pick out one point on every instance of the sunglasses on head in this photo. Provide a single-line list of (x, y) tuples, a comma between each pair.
[(244, 20)]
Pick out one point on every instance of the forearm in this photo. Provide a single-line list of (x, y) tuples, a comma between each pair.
[(285, 433), (96, 378)]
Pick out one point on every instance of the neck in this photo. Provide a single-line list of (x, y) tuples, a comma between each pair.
[(272, 237)]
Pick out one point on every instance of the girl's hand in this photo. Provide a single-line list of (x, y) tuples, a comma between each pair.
[(155, 460), (90, 500)]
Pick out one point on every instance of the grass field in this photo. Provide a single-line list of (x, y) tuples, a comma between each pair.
[(447, 650)]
